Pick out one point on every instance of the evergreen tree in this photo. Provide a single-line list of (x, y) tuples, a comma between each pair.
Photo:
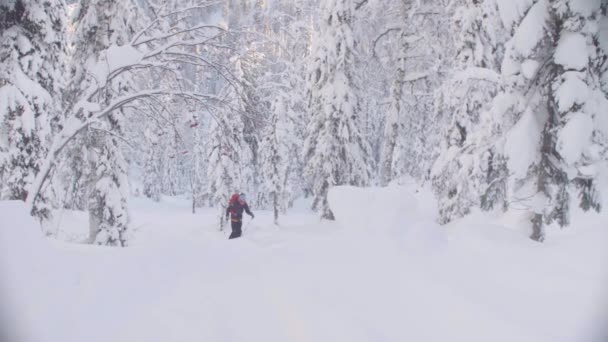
[(32, 55), (279, 155), (417, 47), (573, 132), (335, 151), (228, 157), (152, 177), (100, 27), (393, 124), (198, 164), (549, 108), (470, 171)]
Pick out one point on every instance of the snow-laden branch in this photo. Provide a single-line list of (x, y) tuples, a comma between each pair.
[(416, 76), (476, 73), (157, 47), (74, 125), (134, 41), (360, 4), (386, 32), (178, 32)]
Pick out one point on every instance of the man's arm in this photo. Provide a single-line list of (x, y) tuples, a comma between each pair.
[(228, 211), (246, 206)]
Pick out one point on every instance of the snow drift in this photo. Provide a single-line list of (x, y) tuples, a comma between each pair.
[(383, 272), (390, 210), (31, 278)]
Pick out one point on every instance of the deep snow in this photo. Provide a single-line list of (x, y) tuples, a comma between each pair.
[(383, 272)]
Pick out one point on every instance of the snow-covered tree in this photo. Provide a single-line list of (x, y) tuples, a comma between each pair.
[(552, 67), (279, 155), (575, 133), (101, 28), (524, 129), (416, 46), (32, 57), (470, 171), (110, 90), (198, 160), (151, 173), (335, 151), (393, 123), (229, 157)]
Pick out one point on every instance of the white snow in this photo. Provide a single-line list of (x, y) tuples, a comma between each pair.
[(532, 29), (585, 7), (522, 144), (382, 272), (512, 10), (572, 91), (574, 137), (476, 73), (599, 105), (87, 107), (510, 66), (571, 51), (603, 33), (15, 99), (529, 68), (415, 76), (121, 56)]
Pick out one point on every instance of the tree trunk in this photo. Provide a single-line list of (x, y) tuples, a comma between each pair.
[(328, 214), (275, 202), (222, 217), (537, 228), (94, 220)]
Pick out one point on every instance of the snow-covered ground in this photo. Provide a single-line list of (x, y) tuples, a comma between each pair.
[(384, 271)]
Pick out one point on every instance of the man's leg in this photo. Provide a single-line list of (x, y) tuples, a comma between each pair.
[(236, 230)]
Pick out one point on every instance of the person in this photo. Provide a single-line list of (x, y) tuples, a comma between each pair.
[(236, 206)]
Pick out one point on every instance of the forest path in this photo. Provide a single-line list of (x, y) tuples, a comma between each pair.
[(305, 281), (381, 272)]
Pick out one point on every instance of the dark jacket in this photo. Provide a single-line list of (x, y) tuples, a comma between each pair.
[(235, 210)]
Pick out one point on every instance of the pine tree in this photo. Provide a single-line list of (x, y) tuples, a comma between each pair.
[(335, 151), (198, 164), (228, 157), (470, 171), (393, 124), (32, 55), (551, 105), (273, 164), (278, 150), (417, 46), (100, 27), (575, 105), (152, 177)]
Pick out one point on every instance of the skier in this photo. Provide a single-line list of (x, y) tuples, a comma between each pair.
[(236, 206)]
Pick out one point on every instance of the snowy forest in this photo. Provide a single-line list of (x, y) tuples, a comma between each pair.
[(498, 105), (419, 170)]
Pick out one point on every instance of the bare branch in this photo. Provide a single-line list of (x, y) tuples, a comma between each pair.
[(74, 126), (360, 4), (123, 139), (380, 37), (163, 16), (173, 34)]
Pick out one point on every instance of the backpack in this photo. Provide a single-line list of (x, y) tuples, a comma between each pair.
[(234, 210)]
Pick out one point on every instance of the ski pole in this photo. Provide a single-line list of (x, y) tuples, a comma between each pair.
[(247, 225)]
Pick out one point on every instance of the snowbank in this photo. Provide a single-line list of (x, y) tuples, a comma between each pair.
[(26, 265), (367, 277), (376, 209), (392, 210)]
